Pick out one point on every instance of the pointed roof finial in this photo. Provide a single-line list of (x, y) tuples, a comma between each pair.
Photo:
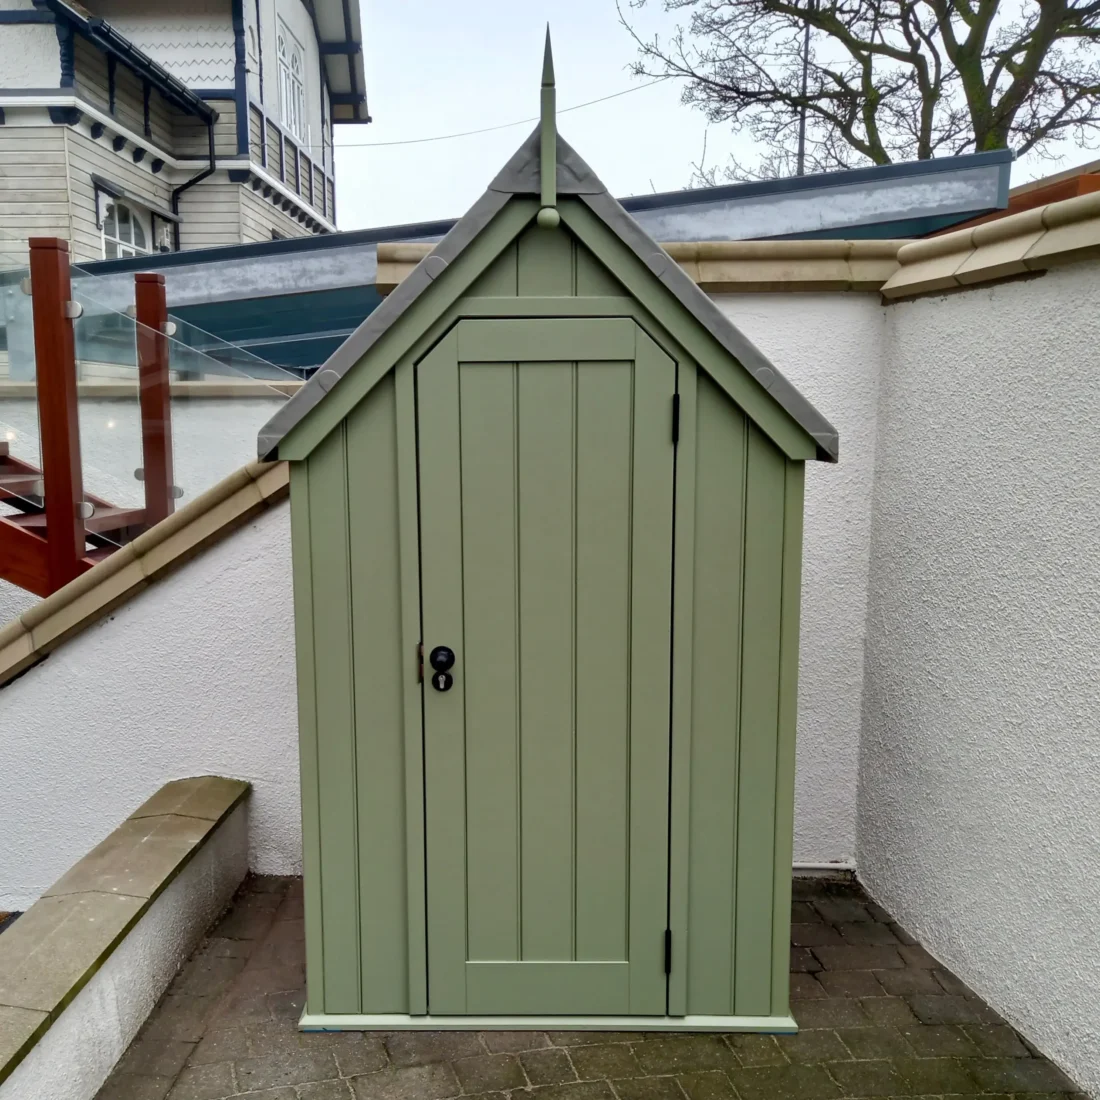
[(548, 141)]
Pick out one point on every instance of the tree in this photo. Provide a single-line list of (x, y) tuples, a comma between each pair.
[(877, 81)]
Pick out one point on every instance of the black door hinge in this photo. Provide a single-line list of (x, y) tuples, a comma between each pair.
[(675, 418), (668, 950)]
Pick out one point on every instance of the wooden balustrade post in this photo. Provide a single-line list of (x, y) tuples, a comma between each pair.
[(155, 395), (59, 425)]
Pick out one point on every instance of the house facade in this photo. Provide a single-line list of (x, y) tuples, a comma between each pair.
[(130, 127)]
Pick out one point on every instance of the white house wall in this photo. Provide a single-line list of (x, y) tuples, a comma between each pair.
[(29, 54), (196, 675), (979, 808), (830, 346)]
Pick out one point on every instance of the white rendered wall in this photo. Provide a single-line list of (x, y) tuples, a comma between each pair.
[(194, 676), (830, 346), (72, 1060), (29, 54), (979, 812)]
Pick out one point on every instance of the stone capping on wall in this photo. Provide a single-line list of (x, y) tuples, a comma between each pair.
[(1058, 233), (205, 520), (49, 954), (10, 391)]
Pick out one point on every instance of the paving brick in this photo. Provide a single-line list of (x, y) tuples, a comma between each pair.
[(803, 961), (683, 1053), (321, 1090), (996, 1040), (355, 1053), (930, 1009), (902, 935), (806, 986), (597, 1038), (155, 1057), (878, 913), (888, 1011), (181, 1017), (218, 947), (874, 1042), (950, 984), (291, 1067), (866, 934), (901, 983), (813, 934), (837, 910), (203, 1083), (804, 912), (859, 958), (784, 1083), (423, 1082), (293, 1094), (421, 1048), (1020, 1075), (582, 1090), (208, 977), (489, 1073), (260, 981), (832, 1012), (287, 1005), (939, 1040), (648, 1088), (710, 1085), (850, 983), (937, 1075), (878, 1078), (131, 1086), (235, 1011), (757, 1050), (813, 1046), (915, 955), (613, 1060), (509, 1042), (547, 1067), (221, 1045)]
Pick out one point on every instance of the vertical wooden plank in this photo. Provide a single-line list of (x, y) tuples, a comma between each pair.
[(304, 628), (683, 598), (490, 507), (151, 314), (650, 668), (379, 730), (545, 262), (788, 720), (408, 495), (764, 505), (499, 281), (592, 279), (444, 728), (716, 692), (547, 750), (603, 505), (335, 695)]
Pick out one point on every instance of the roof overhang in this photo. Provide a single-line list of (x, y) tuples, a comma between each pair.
[(340, 40)]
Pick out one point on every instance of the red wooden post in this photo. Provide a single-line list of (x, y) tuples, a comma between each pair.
[(156, 405), (55, 358)]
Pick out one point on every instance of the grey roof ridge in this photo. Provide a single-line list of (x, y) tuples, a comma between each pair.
[(520, 176)]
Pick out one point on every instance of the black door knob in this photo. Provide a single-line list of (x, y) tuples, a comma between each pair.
[(442, 658)]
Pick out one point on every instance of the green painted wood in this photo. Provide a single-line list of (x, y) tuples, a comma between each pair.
[(335, 693), (718, 580), (397, 340), (650, 671), (588, 988), (499, 279), (372, 506), (760, 628), (592, 279), (304, 629), (788, 720), (702, 347), (444, 724), (542, 306), (555, 479), (546, 339), (687, 387), (412, 712), (546, 262)]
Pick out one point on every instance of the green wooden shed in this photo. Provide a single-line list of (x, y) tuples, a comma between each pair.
[(546, 508)]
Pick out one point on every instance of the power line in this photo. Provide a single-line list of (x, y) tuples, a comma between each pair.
[(502, 126)]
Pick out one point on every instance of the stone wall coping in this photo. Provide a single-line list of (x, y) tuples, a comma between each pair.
[(51, 952), (205, 520), (1031, 241)]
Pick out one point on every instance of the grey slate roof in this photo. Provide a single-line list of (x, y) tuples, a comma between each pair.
[(520, 176)]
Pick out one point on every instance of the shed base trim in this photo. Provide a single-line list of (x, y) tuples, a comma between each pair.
[(322, 1021)]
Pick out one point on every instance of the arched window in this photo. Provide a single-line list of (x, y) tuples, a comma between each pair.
[(125, 231), (292, 92)]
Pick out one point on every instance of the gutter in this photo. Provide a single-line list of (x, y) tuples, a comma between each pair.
[(206, 172)]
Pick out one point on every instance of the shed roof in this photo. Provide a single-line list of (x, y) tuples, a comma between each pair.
[(521, 176)]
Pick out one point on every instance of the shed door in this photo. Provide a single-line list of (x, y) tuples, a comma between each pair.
[(546, 509)]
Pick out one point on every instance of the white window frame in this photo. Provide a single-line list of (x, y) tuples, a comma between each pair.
[(292, 82), (125, 244)]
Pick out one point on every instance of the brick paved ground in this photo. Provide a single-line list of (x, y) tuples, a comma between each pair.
[(879, 1018)]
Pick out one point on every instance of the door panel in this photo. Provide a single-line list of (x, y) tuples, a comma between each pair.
[(546, 540)]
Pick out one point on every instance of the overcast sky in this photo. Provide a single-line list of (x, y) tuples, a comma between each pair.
[(443, 66)]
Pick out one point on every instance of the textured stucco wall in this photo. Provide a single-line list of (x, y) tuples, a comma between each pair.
[(830, 346), (979, 811), (73, 1058), (195, 676), (29, 55)]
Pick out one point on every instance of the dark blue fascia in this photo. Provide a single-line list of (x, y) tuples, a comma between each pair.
[(15, 18), (240, 77)]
